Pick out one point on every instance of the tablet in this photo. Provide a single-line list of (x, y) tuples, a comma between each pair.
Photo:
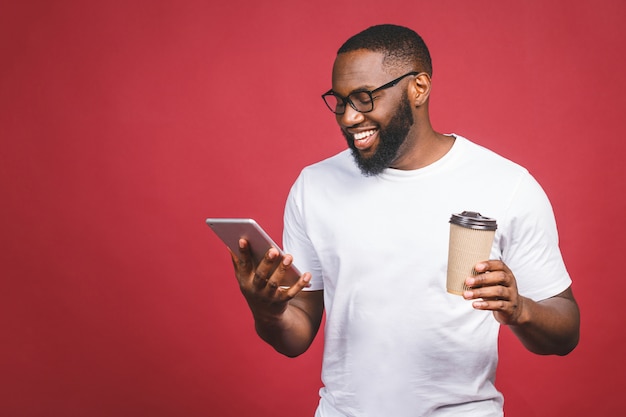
[(230, 230)]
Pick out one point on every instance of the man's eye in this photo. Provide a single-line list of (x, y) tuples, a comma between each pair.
[(361, 98)]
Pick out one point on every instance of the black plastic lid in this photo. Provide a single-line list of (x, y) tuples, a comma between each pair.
[(473, 220)]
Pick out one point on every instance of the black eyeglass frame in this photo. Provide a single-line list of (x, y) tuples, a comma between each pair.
[(345, 100)]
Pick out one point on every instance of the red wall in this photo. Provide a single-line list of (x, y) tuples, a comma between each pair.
[(124, 124)]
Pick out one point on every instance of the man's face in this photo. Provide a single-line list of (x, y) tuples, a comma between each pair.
[(391, 138), (376, 137)]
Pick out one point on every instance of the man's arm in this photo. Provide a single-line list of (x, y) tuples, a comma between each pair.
[(286, 318), (293, 332), (547, 327)]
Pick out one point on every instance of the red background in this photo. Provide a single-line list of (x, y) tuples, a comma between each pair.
[(124, 124)]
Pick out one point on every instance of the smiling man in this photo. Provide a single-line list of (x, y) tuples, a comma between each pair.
[(378, 139), (370, 227)]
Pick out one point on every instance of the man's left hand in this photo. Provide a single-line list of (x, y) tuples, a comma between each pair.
[(495, 289)]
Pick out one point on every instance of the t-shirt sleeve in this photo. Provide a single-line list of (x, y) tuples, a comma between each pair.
[(295, 239), (530, 245)]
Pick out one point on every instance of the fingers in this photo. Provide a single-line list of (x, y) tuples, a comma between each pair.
[(270, 274), (493, 293), (303, 282), (247, 272), (283, 276), (488, 282), (490, 273), (495, 289), (493, 265), (492, 282), (242, 262), (264, 271)]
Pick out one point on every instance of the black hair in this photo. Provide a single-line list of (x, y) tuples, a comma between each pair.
[(402, 46)]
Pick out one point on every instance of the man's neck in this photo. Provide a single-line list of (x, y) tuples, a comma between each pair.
[(423, 150)]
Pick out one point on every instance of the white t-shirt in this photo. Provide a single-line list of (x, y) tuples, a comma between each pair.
[(395, 342)]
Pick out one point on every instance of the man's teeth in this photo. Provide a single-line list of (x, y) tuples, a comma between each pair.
[(363, 135)]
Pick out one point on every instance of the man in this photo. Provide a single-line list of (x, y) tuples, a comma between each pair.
[(370, 227)]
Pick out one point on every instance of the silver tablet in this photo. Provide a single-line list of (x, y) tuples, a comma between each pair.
[(230, 230)]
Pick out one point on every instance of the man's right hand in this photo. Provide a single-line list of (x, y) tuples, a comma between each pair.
[(285, 317), (260, 283)]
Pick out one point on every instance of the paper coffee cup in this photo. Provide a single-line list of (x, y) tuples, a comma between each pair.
[(471, 237)]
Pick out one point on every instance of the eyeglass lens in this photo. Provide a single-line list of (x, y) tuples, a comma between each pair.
[(361, 101)]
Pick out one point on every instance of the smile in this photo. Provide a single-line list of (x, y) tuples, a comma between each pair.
[(364, 135)]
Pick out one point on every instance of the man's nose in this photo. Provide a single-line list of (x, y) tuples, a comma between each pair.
[(350, 117)]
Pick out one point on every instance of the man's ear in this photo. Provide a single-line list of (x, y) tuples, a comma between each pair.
[(420, 89)]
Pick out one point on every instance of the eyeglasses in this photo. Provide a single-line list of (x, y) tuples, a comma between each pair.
[(360, 101)]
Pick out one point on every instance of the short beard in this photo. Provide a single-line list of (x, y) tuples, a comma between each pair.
[(391, 139)]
